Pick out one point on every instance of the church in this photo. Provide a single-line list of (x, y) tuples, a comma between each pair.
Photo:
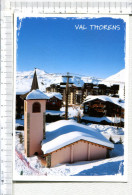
[(64, 141)]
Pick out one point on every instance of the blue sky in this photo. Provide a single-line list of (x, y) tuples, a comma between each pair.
[(56, 46)]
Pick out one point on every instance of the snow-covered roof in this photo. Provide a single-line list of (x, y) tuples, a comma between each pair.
[(36, 94), (105, 98), (54, 94), (55, 112), (95, 87), (65, 132)]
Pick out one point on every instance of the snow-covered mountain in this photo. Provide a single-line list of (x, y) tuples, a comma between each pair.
[(24, 80), (117, 78)]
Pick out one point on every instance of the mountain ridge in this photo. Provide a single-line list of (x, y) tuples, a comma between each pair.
[(24, 80)]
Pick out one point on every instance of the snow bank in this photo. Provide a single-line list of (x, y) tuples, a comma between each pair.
[(65, 132), (104, 118), (73, 111), (36, 94), (54, 112), (113, 166), (108, 131)]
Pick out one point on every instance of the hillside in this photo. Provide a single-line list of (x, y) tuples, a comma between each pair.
[(117, 78), (24, 80)]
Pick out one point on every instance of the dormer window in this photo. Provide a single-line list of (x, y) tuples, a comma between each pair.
[(36, 107)]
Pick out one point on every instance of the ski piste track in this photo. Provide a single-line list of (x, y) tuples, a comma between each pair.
[(26, 163)]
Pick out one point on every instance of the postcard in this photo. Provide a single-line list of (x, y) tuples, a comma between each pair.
[(70, 98)]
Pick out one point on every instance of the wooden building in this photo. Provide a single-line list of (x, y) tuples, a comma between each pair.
[(99, 106), (54, 102), (77, 94), (100, 89)]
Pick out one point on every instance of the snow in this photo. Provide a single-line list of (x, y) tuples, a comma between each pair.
[(107, 130), (110, 166), (24, 80), (77, 81), (91, 80), (21, 92), (22, 163), (104, 118), (73, 111), (36, 94), (116, 78), (119, 79), (19, 122), (122, 91), (105, 98), (102, 167), (54, 94), (65, 132), (54, 112)]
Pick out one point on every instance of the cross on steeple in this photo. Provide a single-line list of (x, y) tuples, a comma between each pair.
[(35, 81)]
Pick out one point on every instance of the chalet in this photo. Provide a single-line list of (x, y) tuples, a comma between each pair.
[(69, 142), (54, 102), (105, 108), (53, 105), (99, 89)]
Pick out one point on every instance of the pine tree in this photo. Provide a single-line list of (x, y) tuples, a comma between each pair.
[(121, 141), (21, 138), (78, 117), (111, 140)]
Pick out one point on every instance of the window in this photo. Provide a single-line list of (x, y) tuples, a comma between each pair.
[(36, 107)]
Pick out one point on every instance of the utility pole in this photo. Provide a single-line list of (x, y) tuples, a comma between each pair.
[(66, 96)]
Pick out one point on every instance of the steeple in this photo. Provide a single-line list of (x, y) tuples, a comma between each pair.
[(35, 81)]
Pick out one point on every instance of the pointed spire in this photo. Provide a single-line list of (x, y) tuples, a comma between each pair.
[(35, 81)]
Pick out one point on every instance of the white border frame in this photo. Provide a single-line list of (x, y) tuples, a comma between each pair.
[(76, 178)]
